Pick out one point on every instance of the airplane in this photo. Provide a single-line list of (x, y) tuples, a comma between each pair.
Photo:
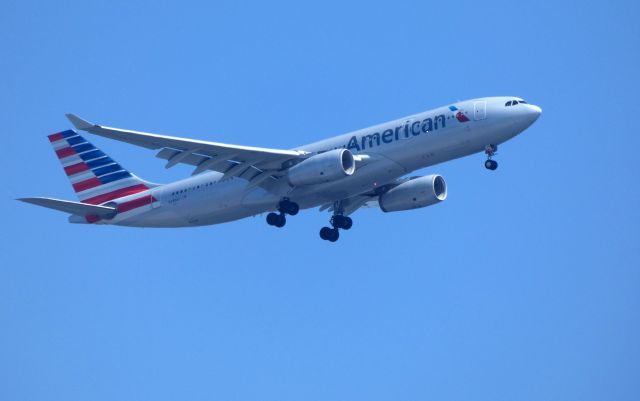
[(364, 168)]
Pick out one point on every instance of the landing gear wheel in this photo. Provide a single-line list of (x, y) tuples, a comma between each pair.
[(272, 218), (281, 221), (337, 221), (293, 209), (491, 164), (335, 234), (329, 234), (340, 221), (287, 207), (275, 219)]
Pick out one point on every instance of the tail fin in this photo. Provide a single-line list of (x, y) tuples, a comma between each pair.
[(95, 177)]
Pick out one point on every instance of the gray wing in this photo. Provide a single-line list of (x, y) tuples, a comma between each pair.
[(252, 163)]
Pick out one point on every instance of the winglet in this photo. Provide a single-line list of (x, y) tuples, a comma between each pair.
[(79, 123)]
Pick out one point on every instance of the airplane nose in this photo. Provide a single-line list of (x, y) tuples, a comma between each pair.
[(535, 111), (532, 114)]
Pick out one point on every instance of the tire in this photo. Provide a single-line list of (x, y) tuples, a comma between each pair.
[(491, 165), (337, 221), (281, 220), (288, 207), (272, 219), (335, 234), (348, 223), (325, 233)]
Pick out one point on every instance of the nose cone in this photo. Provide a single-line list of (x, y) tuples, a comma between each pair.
[(534, 111), (527, 115)]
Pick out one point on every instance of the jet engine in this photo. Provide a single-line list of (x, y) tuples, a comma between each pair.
[(324, 167), (415, 193)]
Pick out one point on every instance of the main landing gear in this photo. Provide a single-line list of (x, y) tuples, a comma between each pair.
[(337, 221), (284, 207), (490, 151)]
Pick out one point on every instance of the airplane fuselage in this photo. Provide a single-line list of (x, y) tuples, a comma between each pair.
[(385, 152)]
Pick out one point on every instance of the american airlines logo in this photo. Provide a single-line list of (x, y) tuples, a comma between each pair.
[(408, 129)]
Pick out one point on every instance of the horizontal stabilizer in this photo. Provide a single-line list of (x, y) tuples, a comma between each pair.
[(81, 209)]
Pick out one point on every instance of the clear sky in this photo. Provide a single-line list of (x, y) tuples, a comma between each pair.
[(523, 285)]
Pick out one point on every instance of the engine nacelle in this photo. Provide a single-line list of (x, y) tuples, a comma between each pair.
[(415, 193), (324, 167)]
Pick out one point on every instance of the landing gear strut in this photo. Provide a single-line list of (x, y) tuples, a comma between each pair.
[(490, 151), (284, 207), (338, 221)]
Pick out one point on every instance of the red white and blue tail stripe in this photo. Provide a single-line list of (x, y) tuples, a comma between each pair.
[(95, 177)]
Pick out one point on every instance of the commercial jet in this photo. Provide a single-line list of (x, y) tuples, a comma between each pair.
[(365, 168)]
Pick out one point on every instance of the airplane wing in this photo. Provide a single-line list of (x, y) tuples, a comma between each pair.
[(81, 209), (252, 163)]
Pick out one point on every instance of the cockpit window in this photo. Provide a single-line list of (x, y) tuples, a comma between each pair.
[(514, 102)]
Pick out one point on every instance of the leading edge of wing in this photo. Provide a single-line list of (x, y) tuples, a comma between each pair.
[(156, 141)]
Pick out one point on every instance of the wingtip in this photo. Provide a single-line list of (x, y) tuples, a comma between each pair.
[(27, 200), (78, 122)]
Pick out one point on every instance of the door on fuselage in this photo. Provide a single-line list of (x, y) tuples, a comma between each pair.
[(480, 110)]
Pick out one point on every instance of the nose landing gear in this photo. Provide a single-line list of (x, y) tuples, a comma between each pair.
[(491, 164), (284, 207), (490, 151)]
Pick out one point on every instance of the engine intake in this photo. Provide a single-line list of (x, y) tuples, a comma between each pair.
[(324, 167), (415, 193)]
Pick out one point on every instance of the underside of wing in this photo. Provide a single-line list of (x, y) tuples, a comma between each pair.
[(348, 206), (368, 199), (248, 162)]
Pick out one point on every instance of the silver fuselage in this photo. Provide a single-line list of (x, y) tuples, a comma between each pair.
[(387, 151)]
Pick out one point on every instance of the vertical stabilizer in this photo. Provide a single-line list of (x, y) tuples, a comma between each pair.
[(96, 178)]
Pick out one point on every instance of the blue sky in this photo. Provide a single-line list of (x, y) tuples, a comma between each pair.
[(523, 285)]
